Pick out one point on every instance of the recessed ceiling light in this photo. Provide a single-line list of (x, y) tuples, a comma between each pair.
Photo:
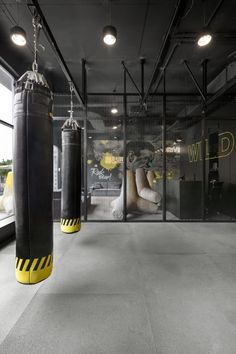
[(90, 137), (114, 110), (109, 35), (204, 39), (178, 140), (18, 36), (115, 127)]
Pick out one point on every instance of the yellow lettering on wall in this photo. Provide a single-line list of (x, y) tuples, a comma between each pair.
[(194, 152), (225, 148), (226, 144)]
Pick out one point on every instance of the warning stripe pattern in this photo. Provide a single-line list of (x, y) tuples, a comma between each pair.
[(34, 264), (70, 222)]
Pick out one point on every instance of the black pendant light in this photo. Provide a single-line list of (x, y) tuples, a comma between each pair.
[(109, 35), (17, 33), (109, 31), (18, 36), (204, 38)]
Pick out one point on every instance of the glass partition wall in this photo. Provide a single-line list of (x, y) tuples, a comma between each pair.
[(198, 152), (220, 173), (144, 161), (104, 160)]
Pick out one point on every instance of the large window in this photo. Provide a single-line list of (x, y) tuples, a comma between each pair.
[(6, 188)]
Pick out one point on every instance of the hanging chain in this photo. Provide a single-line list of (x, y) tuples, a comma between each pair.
[(36, 26), (70, 123), (71, 100)]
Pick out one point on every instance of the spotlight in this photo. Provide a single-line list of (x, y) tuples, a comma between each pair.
[(115, 127), (90, 137), (18, 36), (204, 39), (114, 110), (109, 35), (178, 140)]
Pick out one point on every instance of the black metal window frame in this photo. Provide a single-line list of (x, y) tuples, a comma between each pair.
[(7, 231)]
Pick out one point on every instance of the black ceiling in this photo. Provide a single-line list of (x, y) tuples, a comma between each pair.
[(77, 27)]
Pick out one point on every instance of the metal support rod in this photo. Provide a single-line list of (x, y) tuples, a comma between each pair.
[(164, 150), (142, 62), (175, 46), (194, 80), (84, 85), (181, 94), (6, 124), (48, 33), (124, 149), (131, 78), (165, 46), (203, 137), (214, 13), (83, 61)]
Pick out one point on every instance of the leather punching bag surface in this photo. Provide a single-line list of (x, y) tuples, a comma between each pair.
[(32, 182), (71, 177)]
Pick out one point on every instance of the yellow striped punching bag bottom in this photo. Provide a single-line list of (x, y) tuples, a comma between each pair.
[(70, 225), (32, 271)]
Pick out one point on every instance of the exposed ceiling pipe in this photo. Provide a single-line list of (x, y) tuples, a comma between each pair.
[(165, 46), (186, 37), (175, 46), (97, 105), (211, 18), (48, 33)]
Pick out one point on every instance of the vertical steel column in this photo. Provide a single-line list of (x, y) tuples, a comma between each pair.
[(124, 151), (142, 61), (84, 87), (203, 137), (164, 148)]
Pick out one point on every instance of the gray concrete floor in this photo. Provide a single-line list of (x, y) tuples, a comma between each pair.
[(135, 288)]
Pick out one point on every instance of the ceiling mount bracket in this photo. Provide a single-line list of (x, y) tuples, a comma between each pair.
[(60, 59)]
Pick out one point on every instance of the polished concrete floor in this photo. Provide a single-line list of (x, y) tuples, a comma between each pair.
[(134, 288)]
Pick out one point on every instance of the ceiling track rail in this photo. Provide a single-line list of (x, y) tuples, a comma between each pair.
[(165, 46), (61, 61)]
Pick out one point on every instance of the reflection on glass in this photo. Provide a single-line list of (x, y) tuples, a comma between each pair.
[(220, 175), (144, 169), (184, 170), (104, 173)]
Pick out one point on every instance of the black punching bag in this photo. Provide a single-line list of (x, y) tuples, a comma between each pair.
[(71, 177), (32, 178)]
